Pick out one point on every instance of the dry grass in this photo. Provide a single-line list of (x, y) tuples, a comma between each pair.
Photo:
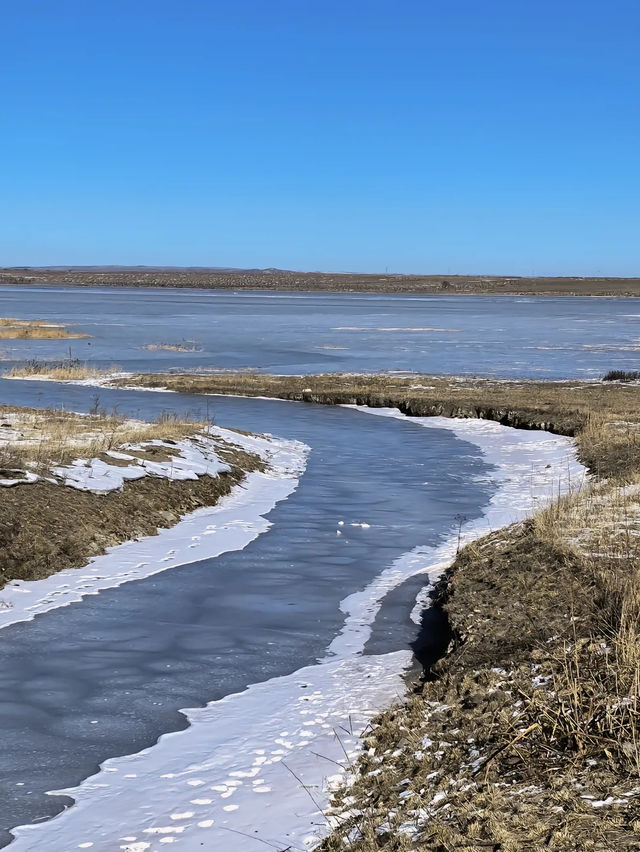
[(282, 279), (621, 376), (45, 527), (17, 329), (183, 346), (70, 369), (36, 439), (600, 673), (534, 713)]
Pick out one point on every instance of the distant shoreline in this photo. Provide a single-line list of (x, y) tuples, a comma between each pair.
[(288, 281)]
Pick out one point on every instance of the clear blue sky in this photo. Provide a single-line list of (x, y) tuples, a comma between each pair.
[(462, 136)]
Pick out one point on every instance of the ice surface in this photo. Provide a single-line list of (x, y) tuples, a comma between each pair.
[(255, 768)]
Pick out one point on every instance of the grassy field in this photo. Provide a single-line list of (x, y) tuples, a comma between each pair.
[(35, 439), (526, 735)]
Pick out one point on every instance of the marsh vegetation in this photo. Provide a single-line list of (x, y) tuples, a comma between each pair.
[(68, 369), (20, 329)]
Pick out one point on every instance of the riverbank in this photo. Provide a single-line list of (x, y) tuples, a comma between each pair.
[(249, 753), (289, 280), (74, 486), (526, 735), (604, 418)]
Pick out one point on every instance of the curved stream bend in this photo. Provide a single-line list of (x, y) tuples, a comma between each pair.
[(129, 658)]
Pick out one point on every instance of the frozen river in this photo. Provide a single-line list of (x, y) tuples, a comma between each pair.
[(131, 657)]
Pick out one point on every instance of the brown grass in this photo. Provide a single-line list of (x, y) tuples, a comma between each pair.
[(183, 346), (282, 279), (36, 439), (45, 527), (534, 712), (67, 370), (17, 329)]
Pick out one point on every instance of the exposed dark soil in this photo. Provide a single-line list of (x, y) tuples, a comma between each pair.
[(282, 279)]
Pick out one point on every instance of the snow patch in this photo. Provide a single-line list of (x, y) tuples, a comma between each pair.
[(194, 457), (281, 808)]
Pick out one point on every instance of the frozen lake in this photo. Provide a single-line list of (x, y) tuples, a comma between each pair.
[(326, 332), (381, 499)]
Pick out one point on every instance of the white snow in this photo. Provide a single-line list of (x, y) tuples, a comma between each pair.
[(22, 477), (227, 741), (271, 752), (195, 457), (229, 525), (90, 382)]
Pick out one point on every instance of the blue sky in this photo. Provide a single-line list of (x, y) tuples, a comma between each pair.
[(496, 137)]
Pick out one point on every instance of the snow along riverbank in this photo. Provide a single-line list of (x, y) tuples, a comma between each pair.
[(231, 524), (255, 768)]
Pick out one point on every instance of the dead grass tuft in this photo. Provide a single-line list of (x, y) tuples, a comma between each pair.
[(183, 346), (18, 329), (36, 439), (70, 369)]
